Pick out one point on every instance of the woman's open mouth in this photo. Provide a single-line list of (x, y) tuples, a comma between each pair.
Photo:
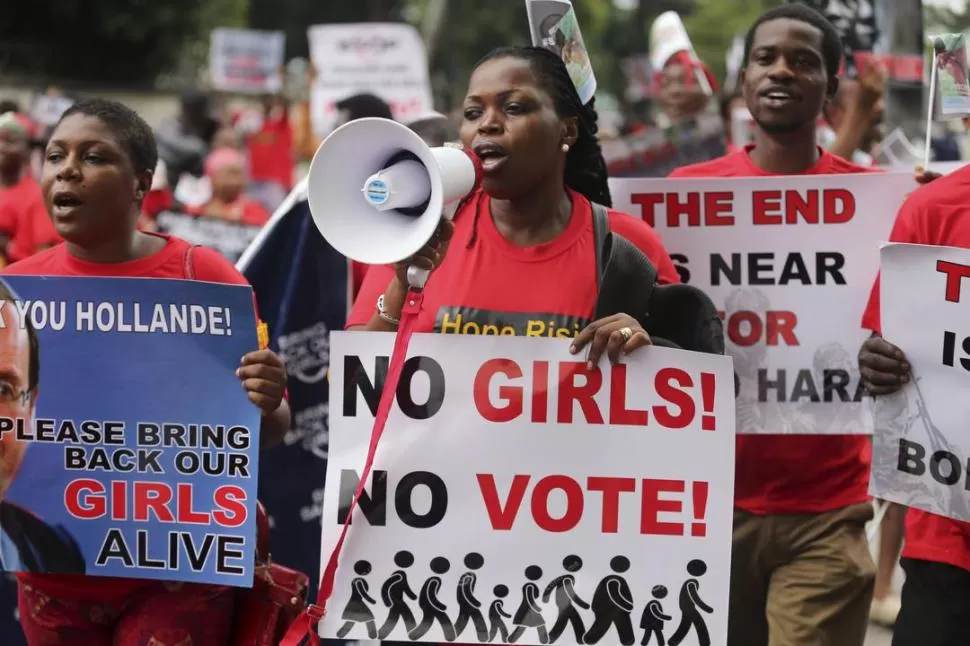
[(493, 156), (66, 202)]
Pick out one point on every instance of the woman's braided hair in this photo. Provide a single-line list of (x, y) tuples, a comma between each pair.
[(585, 167)]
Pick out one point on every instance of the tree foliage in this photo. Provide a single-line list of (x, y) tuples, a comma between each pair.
[(295, 16), (118, 42), (473, 28), (714, 24)]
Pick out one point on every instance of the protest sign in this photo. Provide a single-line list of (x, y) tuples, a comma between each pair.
[(657, 151), (921, 446), (949, 84), (668, 37), (790, 261), (127, 446), (386, 59), (553, 25), (513, 477), (246, 60), (227, 237)]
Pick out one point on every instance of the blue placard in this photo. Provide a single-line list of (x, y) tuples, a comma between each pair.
[(139, 445)]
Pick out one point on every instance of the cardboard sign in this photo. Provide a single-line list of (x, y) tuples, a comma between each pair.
[(921, 446), (790, 261), (518, 497), (132, 451)]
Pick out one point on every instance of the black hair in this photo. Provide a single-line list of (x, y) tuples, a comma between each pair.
[(365, 105), (435, 131), (134, 135), (831, 41), (33, 362), (585, 167), (9, 105)]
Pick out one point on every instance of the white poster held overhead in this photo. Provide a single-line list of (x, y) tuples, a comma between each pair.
[(246, 60), (518, 497), (921, 444), (790, 261), (668, 36), (386, 59), (553, 25)]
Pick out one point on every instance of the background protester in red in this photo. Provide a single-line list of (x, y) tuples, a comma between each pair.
[(801, 571), (270, 148), (679, 92), (520, 251), (936, 553), (24, 225), (226, 170), (97, 169)]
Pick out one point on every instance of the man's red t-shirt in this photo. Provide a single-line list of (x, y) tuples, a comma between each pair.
[(488, 285), (271, 152), (793, 474), (936, 214), (24, 219), (209, 266)]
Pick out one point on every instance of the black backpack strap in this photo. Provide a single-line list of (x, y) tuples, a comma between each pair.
[(677, 316), (601, 229)]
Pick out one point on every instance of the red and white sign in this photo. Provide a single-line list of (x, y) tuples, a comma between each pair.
[(246, 60), (518, 497), (920, 449), (790, 261)]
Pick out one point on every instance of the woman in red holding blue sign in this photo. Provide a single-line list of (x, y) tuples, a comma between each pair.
[(97, 169)]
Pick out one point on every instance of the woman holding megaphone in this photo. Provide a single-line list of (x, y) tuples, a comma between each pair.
[(519, 256)]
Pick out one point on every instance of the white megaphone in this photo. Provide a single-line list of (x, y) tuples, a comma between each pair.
[(377, 192)]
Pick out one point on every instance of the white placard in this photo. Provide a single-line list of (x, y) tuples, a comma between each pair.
[(386, 59), (791, 261), (246, 60), (921, 445), (553, 25), (518, 495)]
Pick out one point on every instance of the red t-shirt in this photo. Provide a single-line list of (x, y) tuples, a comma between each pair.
[(488, 285), (25, 219), (245, 210), (793, 474), (936, 214), (156, 201), (167, 263), (271, 152), (358, 272)]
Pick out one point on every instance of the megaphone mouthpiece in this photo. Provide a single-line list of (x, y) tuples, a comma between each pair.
[(403, 185)]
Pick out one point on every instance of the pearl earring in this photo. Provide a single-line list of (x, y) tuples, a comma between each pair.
[(565, 148)]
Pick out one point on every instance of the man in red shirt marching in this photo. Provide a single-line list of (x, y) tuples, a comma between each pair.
[(801, 572), (936, 555)]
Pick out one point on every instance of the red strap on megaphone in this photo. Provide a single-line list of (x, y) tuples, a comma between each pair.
[(306, 623)]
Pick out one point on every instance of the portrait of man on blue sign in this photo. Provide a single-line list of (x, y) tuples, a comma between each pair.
[(27, 543)]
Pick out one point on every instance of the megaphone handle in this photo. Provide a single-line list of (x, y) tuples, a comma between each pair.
[(417, 277)]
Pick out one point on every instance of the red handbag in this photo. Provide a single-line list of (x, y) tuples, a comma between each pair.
[(278, 596)]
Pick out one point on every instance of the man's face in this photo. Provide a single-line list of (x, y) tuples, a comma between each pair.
[(784, 79), (15, 402)]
